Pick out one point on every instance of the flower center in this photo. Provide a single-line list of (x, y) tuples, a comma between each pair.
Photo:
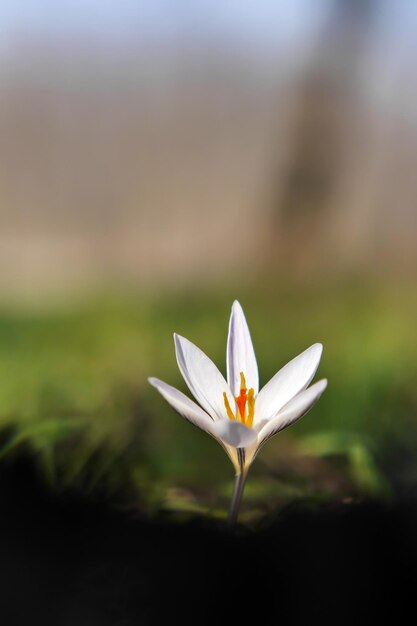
[(245, 402)]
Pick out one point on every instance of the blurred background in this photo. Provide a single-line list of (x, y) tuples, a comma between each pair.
[(160, 159)]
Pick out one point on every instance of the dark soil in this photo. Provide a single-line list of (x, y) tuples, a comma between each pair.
[(66, 560)]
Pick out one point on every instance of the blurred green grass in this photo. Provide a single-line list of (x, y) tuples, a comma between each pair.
[(73, 389)]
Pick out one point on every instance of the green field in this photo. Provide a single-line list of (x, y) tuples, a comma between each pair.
[(74, 392)]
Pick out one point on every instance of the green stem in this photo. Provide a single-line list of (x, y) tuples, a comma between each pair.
[(238, 488)]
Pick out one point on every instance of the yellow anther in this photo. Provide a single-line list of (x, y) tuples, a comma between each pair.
[(251, 407), (227, 405), (242, 381)]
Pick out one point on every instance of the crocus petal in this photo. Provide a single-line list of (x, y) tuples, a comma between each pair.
[(193, 413), (292, 411), (203, 378), (185, 407), (240, 352), (287, 383), (235, 434)]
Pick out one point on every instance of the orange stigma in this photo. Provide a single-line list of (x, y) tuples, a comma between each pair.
[(245, 404), (242, 398)]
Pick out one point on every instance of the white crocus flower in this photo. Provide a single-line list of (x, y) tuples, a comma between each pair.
[(239, 416)]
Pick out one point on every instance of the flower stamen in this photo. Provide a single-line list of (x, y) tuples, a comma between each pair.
[(245, 404), (228, 409), (251, 407)]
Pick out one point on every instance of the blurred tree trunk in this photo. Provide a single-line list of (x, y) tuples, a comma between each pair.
[(305, 191)]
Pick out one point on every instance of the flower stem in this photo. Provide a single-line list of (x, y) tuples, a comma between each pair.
[(239, 485)]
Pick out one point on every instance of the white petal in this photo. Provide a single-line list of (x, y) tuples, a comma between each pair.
[(287, 383), (185, 407), (235, 434), (203, 378), (292, 411), (193, 413), (240, 353)]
